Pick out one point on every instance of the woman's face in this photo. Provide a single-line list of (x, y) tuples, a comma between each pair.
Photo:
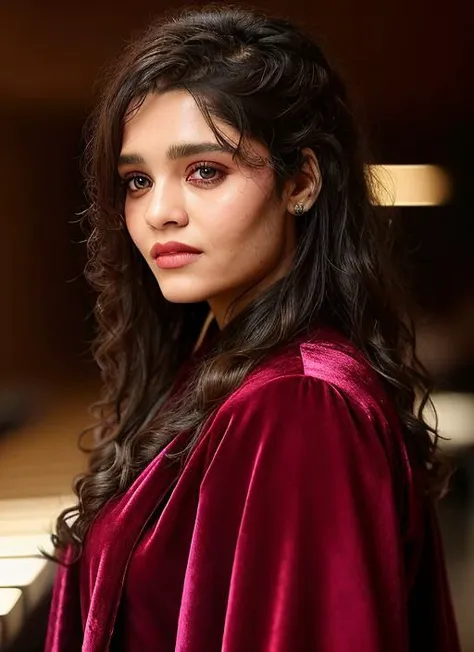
[(182, 188)]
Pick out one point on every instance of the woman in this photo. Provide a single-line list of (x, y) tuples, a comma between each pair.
[(268, 488)]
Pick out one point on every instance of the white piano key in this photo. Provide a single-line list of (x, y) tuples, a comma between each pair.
[(26, 516), (26, 545), (33, 576), (11, 615)]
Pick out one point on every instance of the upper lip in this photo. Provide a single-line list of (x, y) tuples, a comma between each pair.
[(172, 248)]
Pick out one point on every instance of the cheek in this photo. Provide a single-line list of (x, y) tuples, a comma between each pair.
[(128, 212), (249, 247), (240, 223), (132, 227)]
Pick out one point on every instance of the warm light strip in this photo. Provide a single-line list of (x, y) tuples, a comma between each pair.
[(411, 185), (455, 412)]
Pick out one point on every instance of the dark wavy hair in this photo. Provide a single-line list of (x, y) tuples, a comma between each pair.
[(268, 79)]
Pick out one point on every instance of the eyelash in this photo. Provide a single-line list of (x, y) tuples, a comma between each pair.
[(125, 182)]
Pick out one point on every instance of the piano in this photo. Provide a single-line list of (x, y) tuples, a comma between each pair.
[(37, 464)]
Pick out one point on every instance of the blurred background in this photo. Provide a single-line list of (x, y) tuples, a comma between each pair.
[(409, 67)]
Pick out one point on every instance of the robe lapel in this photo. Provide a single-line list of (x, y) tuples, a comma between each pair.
[(130, 517)]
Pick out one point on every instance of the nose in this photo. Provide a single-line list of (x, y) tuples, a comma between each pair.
[(164, 207)]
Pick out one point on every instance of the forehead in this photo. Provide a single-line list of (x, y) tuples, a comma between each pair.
[(171, 116), (165, 120)]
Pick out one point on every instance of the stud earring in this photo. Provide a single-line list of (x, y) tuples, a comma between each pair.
[(299, 209)]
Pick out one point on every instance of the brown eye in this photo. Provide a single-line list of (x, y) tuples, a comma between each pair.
[(207, 172), (204, 174), (137, 182)]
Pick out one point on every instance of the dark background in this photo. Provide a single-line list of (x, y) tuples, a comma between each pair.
[(409, 68)]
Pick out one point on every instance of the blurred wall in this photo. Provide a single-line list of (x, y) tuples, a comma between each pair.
[(43, 308), (408, 65)]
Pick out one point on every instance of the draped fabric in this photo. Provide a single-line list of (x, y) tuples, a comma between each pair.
[(298, 523)]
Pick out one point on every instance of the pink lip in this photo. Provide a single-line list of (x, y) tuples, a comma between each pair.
[(172, 248), (172, 261)]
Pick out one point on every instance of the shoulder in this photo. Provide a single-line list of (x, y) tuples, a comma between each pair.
[(316, 383), (322, 359)]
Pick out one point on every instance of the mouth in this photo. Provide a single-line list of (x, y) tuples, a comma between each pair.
[(172, 248), (176, 259)]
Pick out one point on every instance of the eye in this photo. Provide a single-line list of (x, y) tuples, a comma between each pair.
[(207, 174), (136, 182)]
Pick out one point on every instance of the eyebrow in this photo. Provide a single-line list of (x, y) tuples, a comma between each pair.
[(177, 151)]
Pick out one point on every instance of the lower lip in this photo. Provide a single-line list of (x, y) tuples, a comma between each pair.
[(171, 261)]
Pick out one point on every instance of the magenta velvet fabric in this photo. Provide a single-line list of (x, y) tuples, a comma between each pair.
[(297, 524)]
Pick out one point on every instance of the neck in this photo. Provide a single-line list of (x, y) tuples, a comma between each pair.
[(204, 329)]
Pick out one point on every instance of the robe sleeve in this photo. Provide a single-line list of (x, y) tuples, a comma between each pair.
[(297, 544)]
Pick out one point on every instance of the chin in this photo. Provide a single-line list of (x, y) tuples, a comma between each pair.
[(182, 294)]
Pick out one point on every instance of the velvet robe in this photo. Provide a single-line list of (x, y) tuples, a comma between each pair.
[(298, 523)]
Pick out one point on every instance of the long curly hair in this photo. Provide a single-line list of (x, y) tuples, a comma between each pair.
[(267, 78)]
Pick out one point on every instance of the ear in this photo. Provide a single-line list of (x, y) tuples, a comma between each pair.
[(306, 184)]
